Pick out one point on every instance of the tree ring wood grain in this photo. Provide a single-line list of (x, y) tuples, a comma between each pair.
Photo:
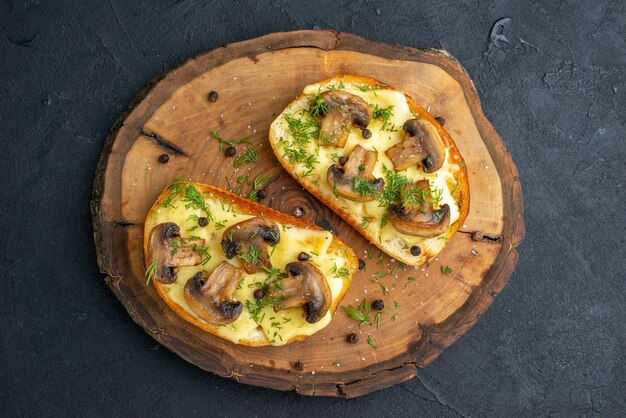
[(256, 79)]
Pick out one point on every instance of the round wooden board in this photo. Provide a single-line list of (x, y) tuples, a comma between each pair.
[(256, 79)]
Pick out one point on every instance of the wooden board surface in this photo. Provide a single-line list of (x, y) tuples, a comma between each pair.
[(256, 79)]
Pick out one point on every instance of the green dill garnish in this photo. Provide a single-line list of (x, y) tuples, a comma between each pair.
[(365, 88), (230, 143), (383, 220), (220, 225), (363, 187), (393, 186), (340, 272), (258, 183), (317, 105), (175, 189), (195, 200), (151, 271), (382, 113), (241, 179), (413, 196), (371, 342), (369, 254), (361, 313), (377, 320), (251, 256), (203, 252), (365, 223), (384, 288), (437, 196), (394, 317), (446, 270), (250, 156)]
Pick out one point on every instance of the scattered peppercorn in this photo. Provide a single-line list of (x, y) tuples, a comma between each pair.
[(203, 221), (164, 158), (303, 256), (441, 120), (213, 96), (258, 294), (230, 151), (343, 160), (366, 133), (261, 194), (361, 264), (352, 338), (415, 250), (378, 305), (299, 366)]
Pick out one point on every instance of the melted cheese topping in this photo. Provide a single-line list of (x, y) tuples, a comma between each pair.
[(384, 136), (276, 327)]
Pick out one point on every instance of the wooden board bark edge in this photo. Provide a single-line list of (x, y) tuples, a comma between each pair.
[(435, 338)]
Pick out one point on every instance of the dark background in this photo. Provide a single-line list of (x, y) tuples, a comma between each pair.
[(552, 80)]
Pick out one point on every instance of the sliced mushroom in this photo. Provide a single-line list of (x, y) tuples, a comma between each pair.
[(421, 146), (248, 241), (306, 287), (344, 110), (171, 251), (420, 219), (354, 180), (211, 297)]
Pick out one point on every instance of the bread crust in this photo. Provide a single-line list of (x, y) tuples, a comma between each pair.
[(453, 153), (247, 207)]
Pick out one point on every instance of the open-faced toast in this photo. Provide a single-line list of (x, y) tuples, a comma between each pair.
[(377, 159), (240, 270)]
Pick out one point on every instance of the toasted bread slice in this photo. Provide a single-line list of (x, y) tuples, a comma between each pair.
[(203, 214), (307, 152)]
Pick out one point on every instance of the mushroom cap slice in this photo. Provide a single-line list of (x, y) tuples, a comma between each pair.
[(171, 251), (422, 146), (306, 287), (249, 241), (211, 297), (344, 111), (354, 180), (420, 219)]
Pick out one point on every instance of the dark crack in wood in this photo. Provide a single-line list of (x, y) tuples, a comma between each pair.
[(164, 143)]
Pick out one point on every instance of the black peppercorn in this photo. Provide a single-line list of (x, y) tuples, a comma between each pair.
[(261, 194), (361, 264), (343, 160), (164, 158), (258, 294), (441, 120), (366, 133), (230, 151), (299, 366), (352, 338), (203, 221), (213, 96), (378, 305), (415, 250), (303, 256)]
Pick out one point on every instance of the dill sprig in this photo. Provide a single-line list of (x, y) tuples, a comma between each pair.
[(230, 143), (258, 183), (360, 314), (196, 201), (250, 156), (363, 187), (381, 113), (151, 271)]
